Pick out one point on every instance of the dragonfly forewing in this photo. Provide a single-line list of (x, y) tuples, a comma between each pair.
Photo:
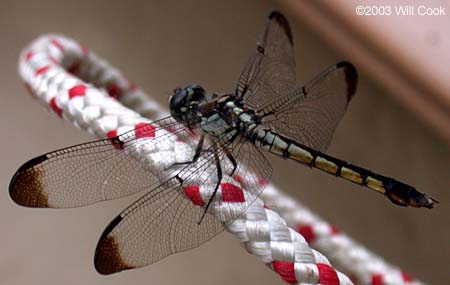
[(311, 113), (270, 72), (101, 170)]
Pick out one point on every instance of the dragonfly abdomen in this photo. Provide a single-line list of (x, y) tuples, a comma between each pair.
[(398, 192)]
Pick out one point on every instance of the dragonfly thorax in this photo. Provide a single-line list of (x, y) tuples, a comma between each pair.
[(228, 116), (218, 116), (215, 115), (215, 125)]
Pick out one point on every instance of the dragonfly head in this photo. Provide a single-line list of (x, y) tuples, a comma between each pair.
[(184, 102)]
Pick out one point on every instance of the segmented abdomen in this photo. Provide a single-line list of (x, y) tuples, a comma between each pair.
[(398, 192)]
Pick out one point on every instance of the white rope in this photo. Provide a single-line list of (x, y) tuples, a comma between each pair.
[(54, 67), (361, 264)]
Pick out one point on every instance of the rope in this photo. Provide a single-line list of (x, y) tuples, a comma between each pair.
[(56, 70), (362, 265)]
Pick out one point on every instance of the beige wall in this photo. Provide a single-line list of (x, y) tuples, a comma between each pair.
[(165, 44)]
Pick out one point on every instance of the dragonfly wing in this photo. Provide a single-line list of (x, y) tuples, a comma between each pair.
[(159, 224), (311, 114), (96, 171), (171, 218), (270, 73)]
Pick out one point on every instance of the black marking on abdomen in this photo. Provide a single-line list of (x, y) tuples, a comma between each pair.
[(286, 152)]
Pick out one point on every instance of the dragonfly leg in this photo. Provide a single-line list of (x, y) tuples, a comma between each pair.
[(179, 179), (198, 151), (229, 154), (219, 179), (232, 160)]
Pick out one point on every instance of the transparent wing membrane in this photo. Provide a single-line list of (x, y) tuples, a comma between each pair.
[(96, 171), (161, 223), (308, 115), (311, 113), (270, 73), (171, 218)]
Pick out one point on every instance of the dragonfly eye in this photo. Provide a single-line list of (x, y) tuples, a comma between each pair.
[(196, 94), (178, 104), (186, 100)]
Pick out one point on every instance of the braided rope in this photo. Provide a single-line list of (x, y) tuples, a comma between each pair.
[(48, 67), (362, 265)]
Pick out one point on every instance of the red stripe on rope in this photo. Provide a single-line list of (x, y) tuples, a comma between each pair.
[(232, 193), (29, 55), (377, 279), (144, 130), (334, 230), (193, 193), (55, 107), (54, 60), (112, 135), (57, 44), (327, 274), (42, 70), (262, 182), (114, 90), (84, 49), (286, 270), (131, 84), (77, 90), (307, 233), (406, 277), (73, 69), (238, 179), (191, 134)]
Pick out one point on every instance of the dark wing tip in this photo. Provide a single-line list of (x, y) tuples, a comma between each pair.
[(107, 259), (274, 14), (25, 188), (283, 22), (351, 77)]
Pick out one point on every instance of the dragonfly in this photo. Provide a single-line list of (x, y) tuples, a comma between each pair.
[(192, 197)]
